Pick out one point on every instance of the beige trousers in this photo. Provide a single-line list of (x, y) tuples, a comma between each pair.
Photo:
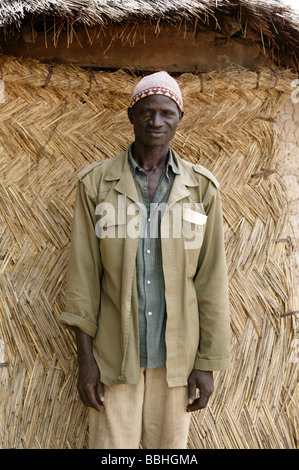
[(149, 415)]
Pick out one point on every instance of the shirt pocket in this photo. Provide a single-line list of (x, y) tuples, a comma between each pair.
[(193, 228)]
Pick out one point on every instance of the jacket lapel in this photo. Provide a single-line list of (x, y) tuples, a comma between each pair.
[(182, 181), (120, 171)]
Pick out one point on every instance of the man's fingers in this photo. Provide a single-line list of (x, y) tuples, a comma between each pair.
[(89, 398), (191, 391), (203, 381), (199, 403), (100, 392), (191, 395), (193, 406), (94, 399)]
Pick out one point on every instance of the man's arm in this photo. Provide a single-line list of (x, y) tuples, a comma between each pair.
[(90, 388), (84, 270), (83, 296), (211, 286)]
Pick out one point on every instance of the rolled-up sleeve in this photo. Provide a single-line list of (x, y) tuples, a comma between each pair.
[(84, 268), (211, 284)]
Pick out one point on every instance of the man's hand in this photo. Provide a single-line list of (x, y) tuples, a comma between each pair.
[(203, 380), (90, 387)]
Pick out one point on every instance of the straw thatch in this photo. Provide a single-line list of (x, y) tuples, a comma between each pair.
[(270, 23), (92, 12), (51, 127)]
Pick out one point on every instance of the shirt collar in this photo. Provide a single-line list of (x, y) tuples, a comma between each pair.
[(171, 164)]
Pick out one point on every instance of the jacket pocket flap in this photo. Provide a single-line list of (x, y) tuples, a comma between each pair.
[(194, 217)]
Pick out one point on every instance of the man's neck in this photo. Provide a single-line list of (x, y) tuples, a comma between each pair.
[(150, 158)]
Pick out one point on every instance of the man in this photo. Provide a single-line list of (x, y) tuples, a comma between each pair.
[(147, 290)]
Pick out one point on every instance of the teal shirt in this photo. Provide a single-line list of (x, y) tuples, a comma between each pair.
[(150, 281)]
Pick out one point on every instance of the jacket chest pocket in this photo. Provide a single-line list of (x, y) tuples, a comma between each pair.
[(118, 229), (193, 229), (110, 224), (111, 233)]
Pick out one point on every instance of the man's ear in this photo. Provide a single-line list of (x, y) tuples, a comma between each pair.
[(130, 115), (181, 117)]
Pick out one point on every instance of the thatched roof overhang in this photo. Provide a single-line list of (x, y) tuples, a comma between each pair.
[(270, 23)]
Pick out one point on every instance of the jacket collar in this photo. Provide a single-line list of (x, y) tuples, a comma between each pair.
[(170, 163), (120, 170)]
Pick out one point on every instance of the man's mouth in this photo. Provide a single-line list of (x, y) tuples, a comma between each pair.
[(154, 132)]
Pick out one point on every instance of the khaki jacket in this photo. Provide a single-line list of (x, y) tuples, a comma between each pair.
[(102, 288)]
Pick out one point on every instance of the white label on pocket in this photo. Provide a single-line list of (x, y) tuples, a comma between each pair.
[(194, 217)]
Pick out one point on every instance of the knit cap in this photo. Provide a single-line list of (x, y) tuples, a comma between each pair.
[(159, 83)]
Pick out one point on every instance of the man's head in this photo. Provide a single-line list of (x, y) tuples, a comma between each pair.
[(159, 83), (156, 109)]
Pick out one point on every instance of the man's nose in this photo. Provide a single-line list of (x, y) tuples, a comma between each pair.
[(156, 120)]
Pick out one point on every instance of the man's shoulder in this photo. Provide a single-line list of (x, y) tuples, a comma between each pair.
[(207, 173), (200, 170), (98, 166), (89, 169)]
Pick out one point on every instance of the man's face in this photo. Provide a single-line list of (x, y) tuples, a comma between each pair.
[(155, 119)]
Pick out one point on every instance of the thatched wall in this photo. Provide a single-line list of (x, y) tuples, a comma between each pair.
[(288, 168), (52, 125)]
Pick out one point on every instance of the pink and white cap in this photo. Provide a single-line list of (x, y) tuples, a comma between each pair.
[(159, 83)]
